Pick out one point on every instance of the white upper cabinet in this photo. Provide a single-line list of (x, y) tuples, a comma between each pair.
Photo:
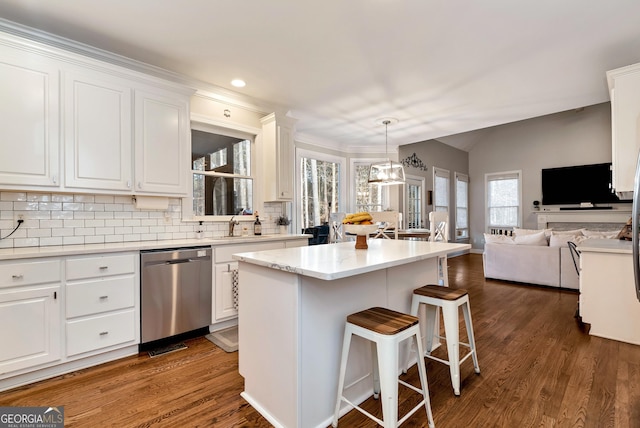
[(123, 132), (97, 132), (162, 155), (277, 157), (29, 108), (624, 87)]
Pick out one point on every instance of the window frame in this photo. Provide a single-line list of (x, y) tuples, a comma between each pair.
[(492, 176), (206, 124), (444, 173), (462, 177), (321, 156)]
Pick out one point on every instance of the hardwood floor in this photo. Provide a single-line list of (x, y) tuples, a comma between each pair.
[(539, 368)]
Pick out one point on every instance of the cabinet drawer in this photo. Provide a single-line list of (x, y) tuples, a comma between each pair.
[(100, 332), (92, 297), (29, 273), (95, 267), (224, 252)]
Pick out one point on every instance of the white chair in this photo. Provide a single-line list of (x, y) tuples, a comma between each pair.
[(388, 221), (439, 232), (336, 232), (385, 329)]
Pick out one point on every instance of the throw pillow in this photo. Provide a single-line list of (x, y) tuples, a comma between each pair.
[(532, 239), (567, 232), (498, 239), (521, 232), (561, 239), (609, 234)]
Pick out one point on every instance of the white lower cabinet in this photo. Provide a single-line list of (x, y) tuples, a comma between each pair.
[(225, 303), (31, 333), (101, 302), (225, 298), (30, 313)]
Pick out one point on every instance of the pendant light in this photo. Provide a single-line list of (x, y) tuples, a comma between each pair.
[(386, 172)]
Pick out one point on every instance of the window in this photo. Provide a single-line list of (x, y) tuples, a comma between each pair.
[(320, 189), (440, 189), (503, 193), (368, 197), (222, 171), (462, 205)]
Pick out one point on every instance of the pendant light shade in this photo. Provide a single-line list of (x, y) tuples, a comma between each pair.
[(386, 172)]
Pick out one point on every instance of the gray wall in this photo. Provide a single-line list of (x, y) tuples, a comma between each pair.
[(562, 139), (434, 153)]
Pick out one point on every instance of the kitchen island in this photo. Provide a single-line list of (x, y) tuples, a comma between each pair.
[(293, 305), (607, 290)]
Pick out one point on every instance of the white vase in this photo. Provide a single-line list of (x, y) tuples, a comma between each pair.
[(283, 229)]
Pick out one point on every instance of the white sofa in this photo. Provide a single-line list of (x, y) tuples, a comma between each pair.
[(535, 256), (532, 264)]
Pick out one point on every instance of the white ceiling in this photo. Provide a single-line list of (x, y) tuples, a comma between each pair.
[(440, 67)]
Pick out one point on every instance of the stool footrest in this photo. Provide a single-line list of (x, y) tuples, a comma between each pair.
[(364, 412)]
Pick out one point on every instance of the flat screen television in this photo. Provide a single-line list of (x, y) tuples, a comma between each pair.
[(577, 184)]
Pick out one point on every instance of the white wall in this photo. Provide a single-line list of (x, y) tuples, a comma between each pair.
[(557, 140)]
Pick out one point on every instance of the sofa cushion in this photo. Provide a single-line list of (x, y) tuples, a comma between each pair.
[(523, 263), (539, 239)]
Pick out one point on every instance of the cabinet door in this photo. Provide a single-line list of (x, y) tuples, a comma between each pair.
[(625, 111), (29, 108), (31, 332), (276, 155), (162, 143), (285, 163), (97, 131), (225, 295)]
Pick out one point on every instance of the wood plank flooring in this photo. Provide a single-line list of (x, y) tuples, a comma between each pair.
[(539, 367)]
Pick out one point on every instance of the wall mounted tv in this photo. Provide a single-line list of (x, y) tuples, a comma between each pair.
[(577, 184)]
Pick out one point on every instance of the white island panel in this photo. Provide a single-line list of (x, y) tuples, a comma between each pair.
[(292, 320)]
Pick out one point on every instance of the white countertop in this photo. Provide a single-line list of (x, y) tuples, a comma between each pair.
[(334, 261), (68, 250), (605, 246)]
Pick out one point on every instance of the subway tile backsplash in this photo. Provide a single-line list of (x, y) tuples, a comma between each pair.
[(67, 219)]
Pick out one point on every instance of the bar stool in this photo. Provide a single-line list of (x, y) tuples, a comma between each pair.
[(434, 296), (385, 329)]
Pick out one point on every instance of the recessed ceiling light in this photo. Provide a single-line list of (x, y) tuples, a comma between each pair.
[(238, 83)]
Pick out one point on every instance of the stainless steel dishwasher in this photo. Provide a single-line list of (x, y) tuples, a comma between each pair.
[(175, 291)]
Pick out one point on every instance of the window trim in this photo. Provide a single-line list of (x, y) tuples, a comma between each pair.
[(490, 176), (441, 172), (206, 124), (460, 176), (306, 153)]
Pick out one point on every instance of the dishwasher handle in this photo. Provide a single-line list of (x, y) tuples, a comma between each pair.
[(175, 262)]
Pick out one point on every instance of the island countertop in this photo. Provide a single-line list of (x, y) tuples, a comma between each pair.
[(341, 260)]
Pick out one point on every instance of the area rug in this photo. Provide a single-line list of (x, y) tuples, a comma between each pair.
[(227, 339)]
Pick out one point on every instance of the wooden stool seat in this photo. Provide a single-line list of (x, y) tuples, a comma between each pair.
[(385, 330), (382, 320), (439, 292)]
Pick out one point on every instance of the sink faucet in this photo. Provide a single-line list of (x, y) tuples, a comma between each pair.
[(232, 225)]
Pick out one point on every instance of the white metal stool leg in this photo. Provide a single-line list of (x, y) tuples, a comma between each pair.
[(449, 301), (386, 330), (466, 312)]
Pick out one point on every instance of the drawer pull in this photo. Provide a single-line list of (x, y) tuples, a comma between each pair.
[(17, 277), (104, 333), (103, 267), (104, 297)]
